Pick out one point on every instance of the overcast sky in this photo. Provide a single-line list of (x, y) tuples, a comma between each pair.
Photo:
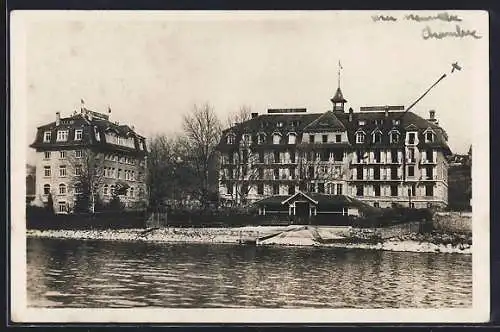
[(151, 68)]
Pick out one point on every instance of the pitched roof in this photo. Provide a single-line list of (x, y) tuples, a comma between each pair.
[(338, 98), (327, 121)]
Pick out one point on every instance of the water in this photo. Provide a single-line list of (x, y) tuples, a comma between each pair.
[(100, 274)]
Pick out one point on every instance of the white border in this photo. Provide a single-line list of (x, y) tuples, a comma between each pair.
[(20, 313)]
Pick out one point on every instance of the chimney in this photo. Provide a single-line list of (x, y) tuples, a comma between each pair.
[(58, 118), (351, 111), (387, 111), (254, 115), (432, 117)]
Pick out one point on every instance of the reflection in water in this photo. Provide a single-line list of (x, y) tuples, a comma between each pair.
[(73, 273)]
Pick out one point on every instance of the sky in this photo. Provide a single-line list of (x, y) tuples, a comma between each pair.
[(151, 68)]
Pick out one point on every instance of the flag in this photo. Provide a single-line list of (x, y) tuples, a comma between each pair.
[(109, 109), (340, 66), (82, 101)]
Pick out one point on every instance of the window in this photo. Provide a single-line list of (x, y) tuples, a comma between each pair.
[(279, 124), (276, 189), (276, 157), (112, 189), (394, 190), (311, 138), (377, 156), (429, 155), (292, 157), (396, 122), (261, 156), (229, 189), (78, 153), (78, 170), (361, 122), (105, 189), (131, 191), (321, 188), (360, 137), (429, 190), (62, 189), (394, 155), (276, 138), (62, 207), (260, 189), (246, 139), (394, 137), (376, 204), (46, 155), (62, 170), (291, 138), (230, 139), (377, 137), (262, 138), (78, 134), (339, 189), (62, 135), (47, 136), (359, 173), (338, 138), (119, 176), (276, 174), (359, 190), (291, 189), (261, 173), (62, 154), (411, 138), (46, 189), (429, 137), (324, 138), (46, 171), (413, 190), (411, 155), (376, 189), (411, 170), (78, 188)]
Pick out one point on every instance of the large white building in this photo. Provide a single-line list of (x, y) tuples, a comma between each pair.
[(380, 155), (88, 147)]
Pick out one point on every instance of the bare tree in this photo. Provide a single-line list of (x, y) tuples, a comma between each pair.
[(242, 115), (203, 131), (87, 178)]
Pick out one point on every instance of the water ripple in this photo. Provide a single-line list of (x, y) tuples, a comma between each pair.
[(76, 274)]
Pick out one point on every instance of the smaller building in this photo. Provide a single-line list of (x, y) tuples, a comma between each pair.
[(306, 208)]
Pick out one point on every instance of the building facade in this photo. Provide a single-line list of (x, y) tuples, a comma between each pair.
[(87, 150), (379, 155)]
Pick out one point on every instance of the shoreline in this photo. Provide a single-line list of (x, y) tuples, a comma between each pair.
[(293, 235)]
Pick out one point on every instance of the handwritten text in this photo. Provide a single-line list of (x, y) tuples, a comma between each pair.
[(427, 33)]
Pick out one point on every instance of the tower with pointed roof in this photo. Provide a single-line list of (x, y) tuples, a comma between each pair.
[(338, 99)]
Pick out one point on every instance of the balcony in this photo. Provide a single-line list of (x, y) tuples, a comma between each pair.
[(428, 162), (433, 177)]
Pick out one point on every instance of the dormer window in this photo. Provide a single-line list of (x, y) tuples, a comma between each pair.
[(78, 134), (394, 137), (47, 136), (377, 137), (261, 138), (292, 138), (246, 139), (62, 135), (230, 139), (360, 137), (276, 138), (411, 138), (429, 136), (396, 122), (361, 122)]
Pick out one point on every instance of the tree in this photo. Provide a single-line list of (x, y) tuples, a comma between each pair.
[(88, 170), (203, 131), (243, 114)]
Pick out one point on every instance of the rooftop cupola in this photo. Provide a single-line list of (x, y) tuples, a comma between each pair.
[(338, 100)]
